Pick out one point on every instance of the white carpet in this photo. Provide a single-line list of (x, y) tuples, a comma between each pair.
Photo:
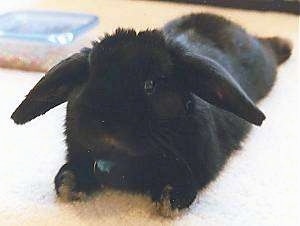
[(259, 186)]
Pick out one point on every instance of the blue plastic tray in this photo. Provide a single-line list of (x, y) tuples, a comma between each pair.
[(45, 26)]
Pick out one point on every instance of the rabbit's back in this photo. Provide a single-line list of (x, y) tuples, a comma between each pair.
[(243, 55)]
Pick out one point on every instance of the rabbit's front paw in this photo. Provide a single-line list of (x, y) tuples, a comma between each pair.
[(174, 199), (65, 185)]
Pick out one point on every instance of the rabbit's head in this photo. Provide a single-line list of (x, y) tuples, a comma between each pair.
[(127, 84)]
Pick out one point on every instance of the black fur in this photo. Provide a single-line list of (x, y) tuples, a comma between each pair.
[(166, 107)]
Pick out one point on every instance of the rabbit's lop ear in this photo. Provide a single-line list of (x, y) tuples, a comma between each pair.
[(54, 88), (213, 83)]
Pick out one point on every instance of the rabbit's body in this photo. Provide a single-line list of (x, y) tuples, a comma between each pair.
[(170, 141), (251, 64)]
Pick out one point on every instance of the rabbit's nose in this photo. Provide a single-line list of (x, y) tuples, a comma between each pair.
[(149, 87)]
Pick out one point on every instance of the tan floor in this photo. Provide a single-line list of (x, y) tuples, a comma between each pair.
[(259, 186)]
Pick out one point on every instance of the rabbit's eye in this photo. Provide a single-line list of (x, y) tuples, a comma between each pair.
[(149, 87)]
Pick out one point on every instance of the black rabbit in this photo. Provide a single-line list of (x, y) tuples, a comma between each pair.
[(158, 111)]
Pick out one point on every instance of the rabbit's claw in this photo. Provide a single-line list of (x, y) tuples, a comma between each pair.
[(65, 183), (173, 200), (164, 206)]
